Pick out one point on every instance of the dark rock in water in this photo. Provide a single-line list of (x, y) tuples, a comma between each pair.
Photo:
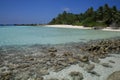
[(71, 60), (22, 66), (90, 67), (94, 73), (64, 79), (102, 56), (111, 61), (106, 65), (31, 62), (64, 64), (95, 59), (42, 72), (39, 78), (84, 58), (76, 75), (52, 49), (53, 79), (21, 76), (67, 54), (114, 76), (57, 68), (102, 48), (81, 64), (52, 54), (6, 75)]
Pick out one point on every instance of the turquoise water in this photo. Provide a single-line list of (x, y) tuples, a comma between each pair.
[(28, 35)]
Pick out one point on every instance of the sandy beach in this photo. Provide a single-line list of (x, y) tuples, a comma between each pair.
[(80, 27), (68, 26), (110, 29)]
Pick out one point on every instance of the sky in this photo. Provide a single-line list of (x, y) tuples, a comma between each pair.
[(42, 11)]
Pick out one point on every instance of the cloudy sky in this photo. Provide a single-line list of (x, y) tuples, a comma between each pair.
[(42, 11)]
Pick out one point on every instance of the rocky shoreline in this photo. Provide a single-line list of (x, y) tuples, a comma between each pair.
[(36, 61)]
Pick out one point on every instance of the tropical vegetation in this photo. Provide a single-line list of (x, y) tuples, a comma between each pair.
[(103, 16)]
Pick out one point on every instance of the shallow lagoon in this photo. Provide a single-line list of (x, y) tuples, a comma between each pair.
[(29, 35), (39, 61)]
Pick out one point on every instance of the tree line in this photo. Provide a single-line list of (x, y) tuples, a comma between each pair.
[(103, 16)]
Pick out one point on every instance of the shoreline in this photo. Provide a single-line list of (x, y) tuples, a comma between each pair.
[(81, 27), (68, 26)]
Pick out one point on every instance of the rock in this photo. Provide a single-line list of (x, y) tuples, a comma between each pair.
[(64, 79), (57, 68), (53, 79), (6, 75), (52, 54), (39, 78), (52, 49), (84, 58), (76, 75), (102, 56), (44, 72), (94, 73), (95, 53), (81, 64), (95, 60), (21, 76), (102, 48), (29, 59), (22, 66), (64, 64), (35, 61), (114, 76), (67, 54), (3, 69), (106, 65), (90, 67), (111, 61), (71, 60)]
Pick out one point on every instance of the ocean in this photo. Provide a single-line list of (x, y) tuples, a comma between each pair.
[(30, 35)]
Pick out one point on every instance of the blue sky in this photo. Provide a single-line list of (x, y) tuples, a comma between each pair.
[(42, 11)]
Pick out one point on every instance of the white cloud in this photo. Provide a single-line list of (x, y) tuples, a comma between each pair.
[(66, 9)]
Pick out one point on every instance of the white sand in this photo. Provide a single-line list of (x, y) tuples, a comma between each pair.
[(103, 71), (80, 27), (110, 29), (68, 26)]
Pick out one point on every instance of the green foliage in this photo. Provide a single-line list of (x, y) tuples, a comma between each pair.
[(88, 23), (103, 16), (64, 18)]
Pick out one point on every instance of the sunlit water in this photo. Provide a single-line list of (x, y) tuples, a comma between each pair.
[(28, 35)]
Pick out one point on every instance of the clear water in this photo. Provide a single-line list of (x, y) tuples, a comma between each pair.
[(28, 35)]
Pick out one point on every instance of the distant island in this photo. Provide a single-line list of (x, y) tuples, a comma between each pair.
[(21, 24), (104, 16)]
